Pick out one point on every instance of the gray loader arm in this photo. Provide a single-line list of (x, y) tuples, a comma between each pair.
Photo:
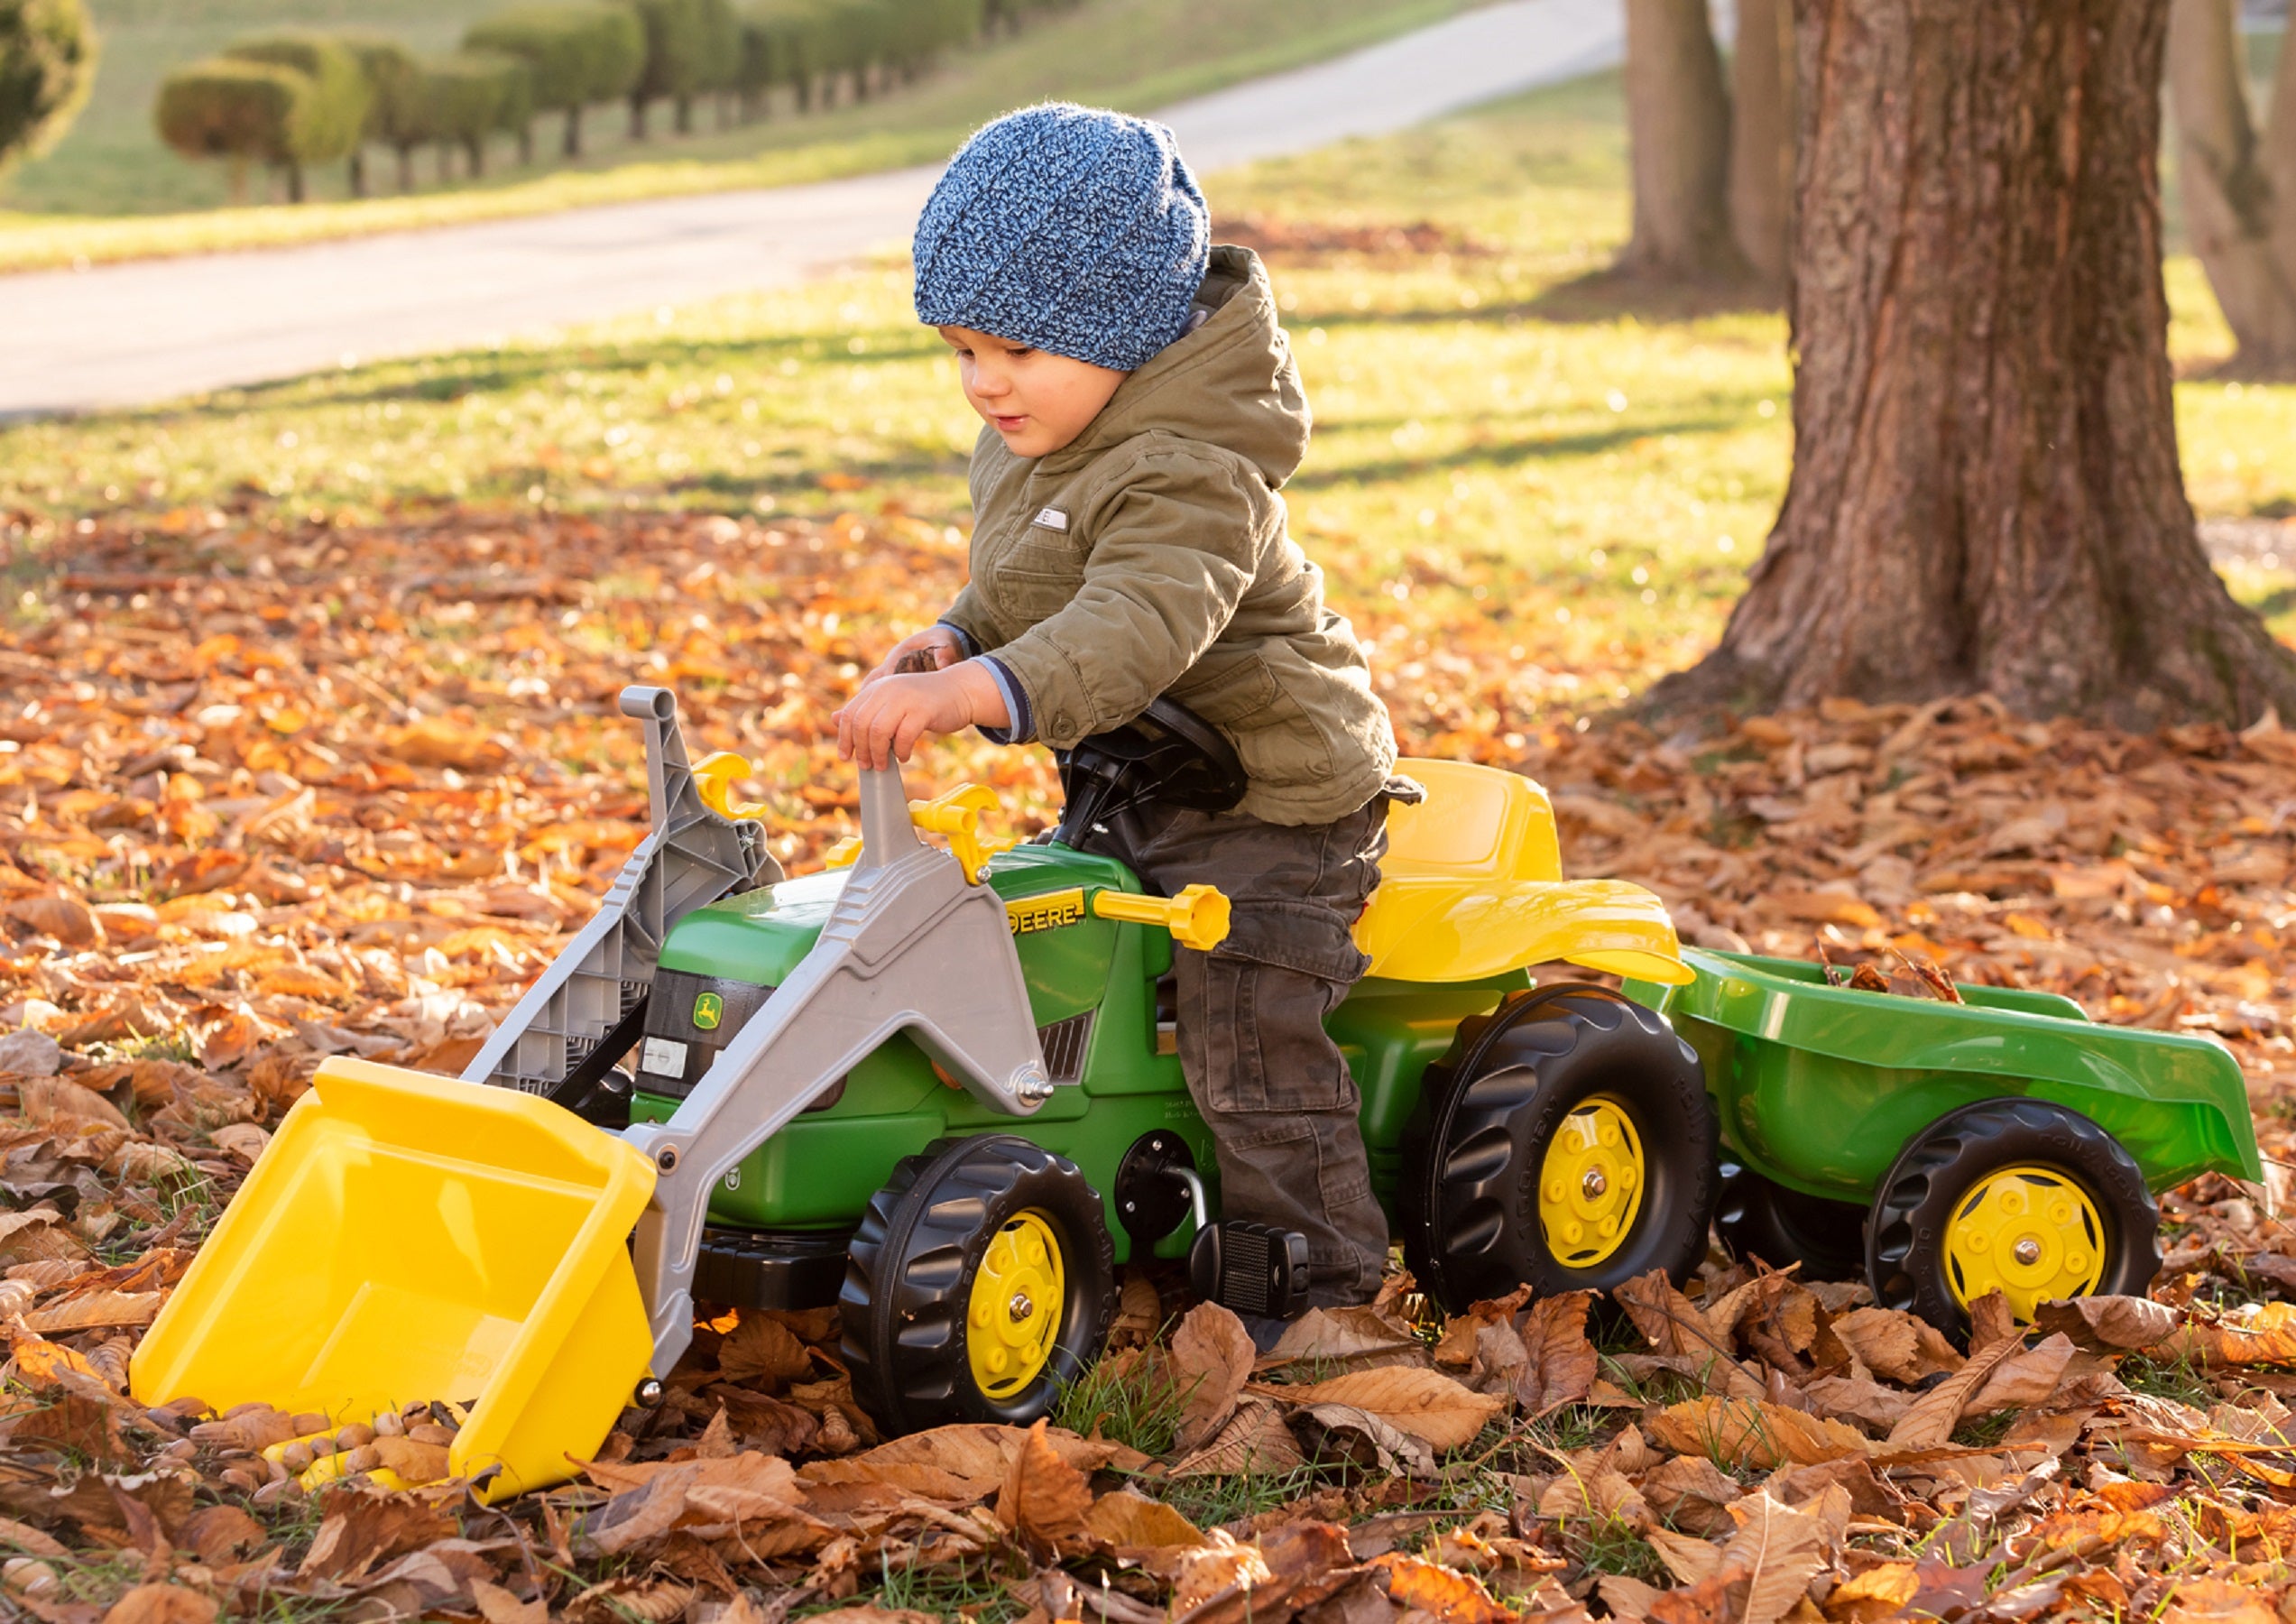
[(692, 857), (910, 946)]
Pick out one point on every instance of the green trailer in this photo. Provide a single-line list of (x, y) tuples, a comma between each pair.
[(1938, 1150)]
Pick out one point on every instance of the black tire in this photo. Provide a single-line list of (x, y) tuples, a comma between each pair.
[(910, 1271), (1490, 1109), (1906, 1259), (1758, 1218)]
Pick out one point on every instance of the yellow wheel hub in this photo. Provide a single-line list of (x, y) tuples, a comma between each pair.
[(2030, 1230), (1590, 1183), (1014, 1312)]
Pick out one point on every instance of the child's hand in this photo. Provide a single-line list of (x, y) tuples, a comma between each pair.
[(883, 723), (934, 648)]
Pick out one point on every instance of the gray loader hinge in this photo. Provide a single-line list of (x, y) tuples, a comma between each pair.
[(911, 947), (693, 856)]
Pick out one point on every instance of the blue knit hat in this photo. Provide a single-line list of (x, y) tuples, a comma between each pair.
[(1068, 229)]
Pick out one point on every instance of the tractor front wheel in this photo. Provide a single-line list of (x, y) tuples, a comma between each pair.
[(980, 1281), (1565, 1141), (2019, 1195)]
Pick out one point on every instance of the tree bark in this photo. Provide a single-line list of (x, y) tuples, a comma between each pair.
[(1678, 133), (1762, 134), (2240, 216), (1985, 490), (572, 146), (358, 171)]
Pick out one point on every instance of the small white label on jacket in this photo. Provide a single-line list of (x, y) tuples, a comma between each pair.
[(665, 1056), (1050, 518)]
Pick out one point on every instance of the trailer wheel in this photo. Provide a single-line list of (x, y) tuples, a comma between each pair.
[(1759, 1218), (1565, 1141), (980, 1281), (2017, 1193)]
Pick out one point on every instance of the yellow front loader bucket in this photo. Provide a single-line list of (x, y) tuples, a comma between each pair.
[(408, 1238)]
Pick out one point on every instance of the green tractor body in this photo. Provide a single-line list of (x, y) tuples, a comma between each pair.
[(1093, 994)]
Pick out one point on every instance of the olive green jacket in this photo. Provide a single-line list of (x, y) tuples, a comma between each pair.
[(1149, 557)]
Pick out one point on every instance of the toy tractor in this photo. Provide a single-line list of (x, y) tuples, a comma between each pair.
[(939, 1089)]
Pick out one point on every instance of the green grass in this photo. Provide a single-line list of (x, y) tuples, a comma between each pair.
[(1125, 1404), (1136, 54), (1212, 1500), (2178, 1379), (1495, 452)]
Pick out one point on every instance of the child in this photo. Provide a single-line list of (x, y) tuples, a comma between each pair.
[(1142, 407)]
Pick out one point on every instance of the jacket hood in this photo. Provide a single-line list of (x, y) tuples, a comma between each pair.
[(1230, 383)]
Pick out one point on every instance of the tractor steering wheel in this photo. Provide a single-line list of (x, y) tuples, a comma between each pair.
[(1168, 754)]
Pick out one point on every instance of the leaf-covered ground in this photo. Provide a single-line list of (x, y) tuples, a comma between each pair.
[(318, 767)]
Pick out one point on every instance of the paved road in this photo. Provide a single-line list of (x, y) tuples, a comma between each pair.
[(130, 334)]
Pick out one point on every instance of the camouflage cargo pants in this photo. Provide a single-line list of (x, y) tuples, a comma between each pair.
[(1272, 1085)]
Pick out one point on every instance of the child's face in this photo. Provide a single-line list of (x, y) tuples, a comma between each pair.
[(1038, 401)]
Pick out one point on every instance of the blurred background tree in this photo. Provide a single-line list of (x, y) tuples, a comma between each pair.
[(47, 63), (2239, 182)]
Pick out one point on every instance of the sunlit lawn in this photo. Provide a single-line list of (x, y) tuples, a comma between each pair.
[(1588, 485)]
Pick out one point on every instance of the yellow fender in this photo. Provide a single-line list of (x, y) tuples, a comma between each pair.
[(1472, 886), (407, 1238), (1440, 928)]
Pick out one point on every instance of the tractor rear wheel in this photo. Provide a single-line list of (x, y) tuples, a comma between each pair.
[(1565, 1141), (1758, 1218), (980, 1281), (2017, 1193)]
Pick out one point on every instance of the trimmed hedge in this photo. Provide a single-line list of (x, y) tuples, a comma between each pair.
[(578, 54), (334, 119), (466, 97), (294, 98), (676, 56), (241, 111), (393, 80), (47, 63)]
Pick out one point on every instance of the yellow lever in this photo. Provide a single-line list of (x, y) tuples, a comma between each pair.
[(956, 815), (1197, 918), (714, 783)]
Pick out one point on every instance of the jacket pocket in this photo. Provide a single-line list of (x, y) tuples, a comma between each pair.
[(1279, 742), (1228, 687), (1031, 581)]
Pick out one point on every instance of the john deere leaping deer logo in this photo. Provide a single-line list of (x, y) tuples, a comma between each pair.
[(709, 1009)]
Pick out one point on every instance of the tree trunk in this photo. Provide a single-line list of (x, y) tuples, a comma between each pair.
[(682, 118), (358, 171), (1762, 134), (572, 147), (637, 118), (2239, 220), (294, 184), (476, 145), (526, 145), (2279, 152), (1678, 129), (406, 169), (445, 162), (1985, 493)]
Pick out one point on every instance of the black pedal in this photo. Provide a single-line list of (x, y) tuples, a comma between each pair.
[(1251, 1268)]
